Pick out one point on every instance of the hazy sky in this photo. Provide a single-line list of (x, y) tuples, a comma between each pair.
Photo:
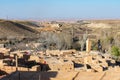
[(60, 9)]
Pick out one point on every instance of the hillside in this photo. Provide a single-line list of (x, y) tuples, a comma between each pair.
[(66, 36), (10, 28), (28, 23)]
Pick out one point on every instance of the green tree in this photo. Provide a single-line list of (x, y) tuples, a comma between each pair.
[(115, 52)]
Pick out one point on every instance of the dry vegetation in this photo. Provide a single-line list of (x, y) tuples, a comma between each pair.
[(67, 35)]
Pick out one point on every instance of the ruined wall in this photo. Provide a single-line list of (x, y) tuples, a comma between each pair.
[(10, 69)]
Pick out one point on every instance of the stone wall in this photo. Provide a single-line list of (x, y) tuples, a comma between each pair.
[(10, 69)]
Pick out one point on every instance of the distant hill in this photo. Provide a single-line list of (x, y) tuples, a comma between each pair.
[(15, 29)]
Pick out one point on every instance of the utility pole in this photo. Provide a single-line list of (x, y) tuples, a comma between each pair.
[(7, 17), (16, 57), (72, 31), (39, 77)]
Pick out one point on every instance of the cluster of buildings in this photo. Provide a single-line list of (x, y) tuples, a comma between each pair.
[(55, 60)]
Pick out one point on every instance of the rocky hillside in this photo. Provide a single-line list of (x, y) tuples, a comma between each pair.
[(15, 29)]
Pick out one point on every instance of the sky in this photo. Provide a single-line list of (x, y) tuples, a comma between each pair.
[(60, 9)]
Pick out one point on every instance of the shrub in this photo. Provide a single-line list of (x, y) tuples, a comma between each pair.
[(94, 45), (115, 51)]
